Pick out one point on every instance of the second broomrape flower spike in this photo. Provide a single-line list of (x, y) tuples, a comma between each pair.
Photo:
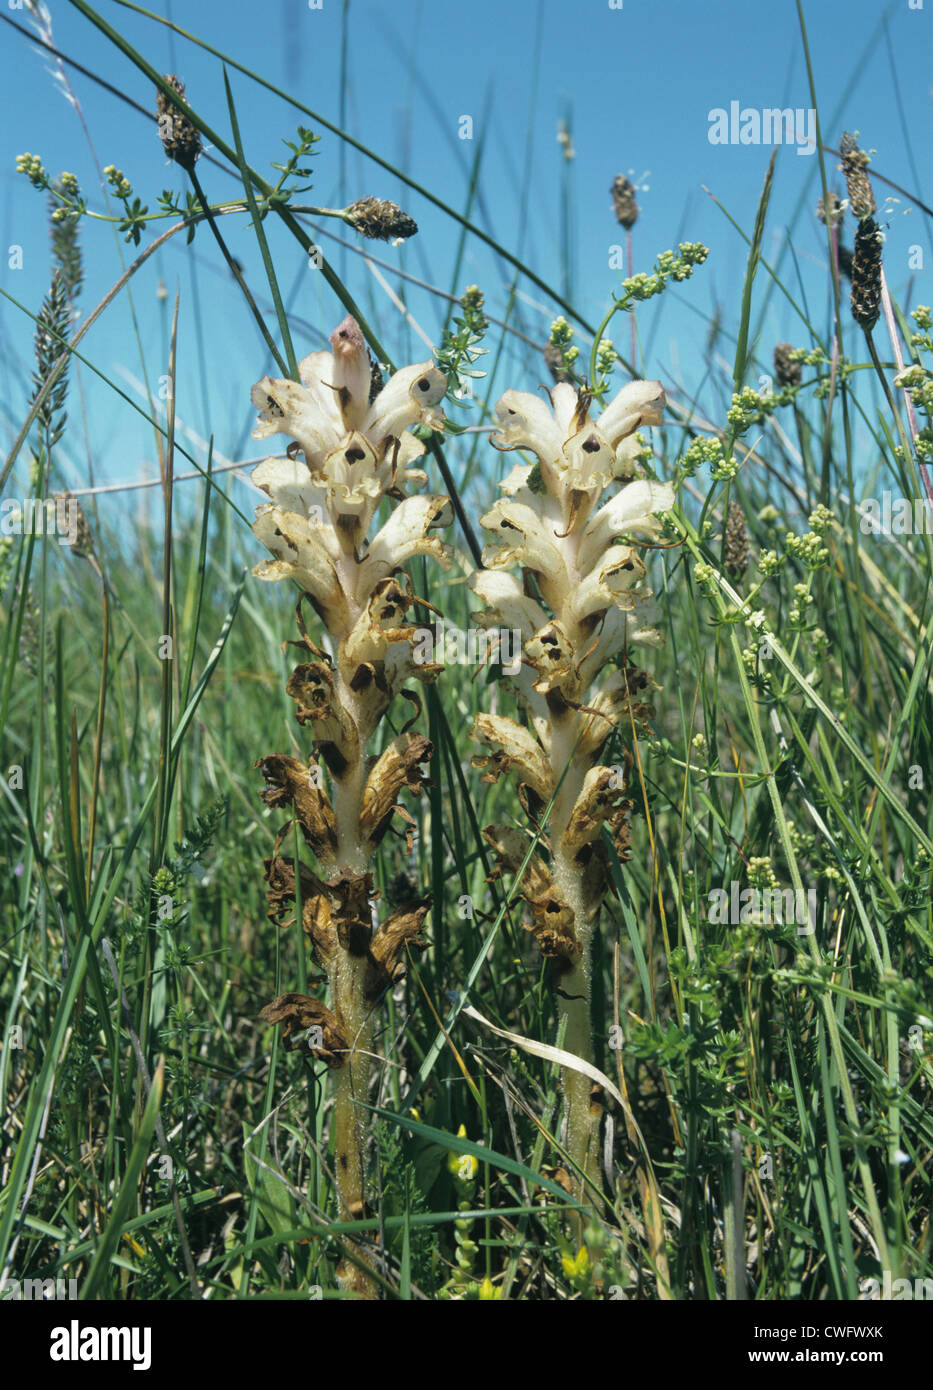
[(352, 450), (556, 573)]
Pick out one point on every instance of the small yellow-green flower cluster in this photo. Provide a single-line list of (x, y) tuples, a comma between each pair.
[(820, 519), (704, 575), (802, 599), (31, 165), (67, 188), (562, 339), (725, 469), (808, 550), (923, 318), (118, 181), (606, 358), (703, 451), (812, 357), (919, 382), (769, 563), (578, 1269), (761, 872), (750, 407), (667, 266)]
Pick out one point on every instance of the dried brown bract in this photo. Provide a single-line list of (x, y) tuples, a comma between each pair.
[(301, 1013)]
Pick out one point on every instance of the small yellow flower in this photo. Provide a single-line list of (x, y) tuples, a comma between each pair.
[(464, 1167), (578, 1266), (488, 1293)]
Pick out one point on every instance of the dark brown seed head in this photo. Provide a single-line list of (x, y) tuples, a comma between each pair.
[(866, 274), (83, 544), (623, 200), (854, 165), (380, 220), (786, 369), (735, 557), (181, 140)]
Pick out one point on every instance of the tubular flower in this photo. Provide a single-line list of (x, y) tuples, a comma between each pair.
[(569, 575), (355, 450), (350, 453)]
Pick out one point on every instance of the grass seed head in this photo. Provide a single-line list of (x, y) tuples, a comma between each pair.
[(866, 274), (854, 165), (786, 369), (623, 201), (736, 547), (380, 220), (181, 140)]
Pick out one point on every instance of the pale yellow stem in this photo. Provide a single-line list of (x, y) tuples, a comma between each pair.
[(351, 1127)]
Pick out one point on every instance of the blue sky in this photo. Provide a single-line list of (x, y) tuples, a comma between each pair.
[(634, 85)]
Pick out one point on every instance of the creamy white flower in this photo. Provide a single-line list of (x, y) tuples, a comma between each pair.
[(355, 450), (616, 580), (638, 404), (592, 594), (523, 540), (405, 534), (577, 458), (507, 603), (631, 512), (288, 482), (304, 556)]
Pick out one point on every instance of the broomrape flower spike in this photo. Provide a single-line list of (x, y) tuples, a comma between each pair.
[(350, 453), (556, 571)]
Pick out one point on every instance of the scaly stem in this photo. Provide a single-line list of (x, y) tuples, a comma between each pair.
[(347, 982), (350, 1126), (582, 1116)]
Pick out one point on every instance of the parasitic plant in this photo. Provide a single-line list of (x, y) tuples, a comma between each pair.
[(352, 452), (557, 572)]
